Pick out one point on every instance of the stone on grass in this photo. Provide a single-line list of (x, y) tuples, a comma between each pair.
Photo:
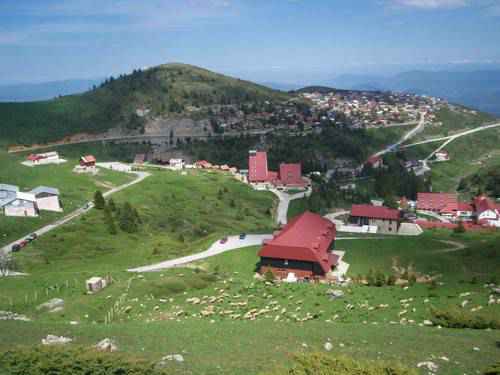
[(328, 346), (8, 315), (429, 365), (106, 345), (56, 340), (428, 323), (335, 293), (53, 305)]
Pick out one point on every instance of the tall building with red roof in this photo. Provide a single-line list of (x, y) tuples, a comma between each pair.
[(289, 174), (302, 247), (386, 219), (486, 211), (257, 167)]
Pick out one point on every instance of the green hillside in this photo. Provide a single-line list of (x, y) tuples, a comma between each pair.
[(166, 90)]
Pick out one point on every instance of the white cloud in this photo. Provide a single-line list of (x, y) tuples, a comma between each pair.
[(431, 4)]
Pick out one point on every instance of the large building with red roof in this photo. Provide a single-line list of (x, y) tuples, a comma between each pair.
[(289, 174), (386, 219), (302, 247), (436, 202)]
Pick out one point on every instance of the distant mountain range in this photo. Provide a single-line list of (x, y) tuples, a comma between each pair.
[(28, 92), (477, 89)]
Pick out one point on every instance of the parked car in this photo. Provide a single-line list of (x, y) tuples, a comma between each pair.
[(15, 248), (243, 236), (32, 237), (23, 243), (223, 240)]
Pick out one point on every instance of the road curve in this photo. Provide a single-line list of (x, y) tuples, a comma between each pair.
[(78, 212), (233, 243)]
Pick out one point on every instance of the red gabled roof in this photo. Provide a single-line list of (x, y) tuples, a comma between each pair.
[(257, 166), (435, 201), (291, 174), (89, 159), (374, 212), (464, 206), (305, 238), (483, 203), (374, 159)]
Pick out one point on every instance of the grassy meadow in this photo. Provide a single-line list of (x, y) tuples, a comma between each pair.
[(75, 190)]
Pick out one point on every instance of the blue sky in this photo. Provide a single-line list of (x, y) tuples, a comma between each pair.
[(264, 40)]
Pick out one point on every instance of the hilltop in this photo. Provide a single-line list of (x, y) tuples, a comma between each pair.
[(127, 104)]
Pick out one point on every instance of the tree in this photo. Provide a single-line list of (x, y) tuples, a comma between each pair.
[(99, 201), (128, 219), (109, 220), (111, 204), (460, 228), (390, 202)]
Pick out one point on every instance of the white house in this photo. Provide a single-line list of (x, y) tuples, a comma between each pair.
[(47, 198), (486, 211), (442, 155), (24, 204), (7, 193), (176, 164), (45, 158)]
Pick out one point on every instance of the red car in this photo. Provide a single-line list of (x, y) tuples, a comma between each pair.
[(223, 240)]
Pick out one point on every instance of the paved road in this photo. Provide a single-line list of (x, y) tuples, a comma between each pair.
[(78, 212), (137, 138), (232, 243), (405, 137), (284, 202), (455, 136), (434, 215)]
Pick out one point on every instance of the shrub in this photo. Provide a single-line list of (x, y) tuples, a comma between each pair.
[(269, 276), (320, 364), (74, 361), (493, 369), (168, 286), (99, 201), (460, 318)]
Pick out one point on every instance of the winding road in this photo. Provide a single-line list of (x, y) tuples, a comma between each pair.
[(78, 212), (284, 202)]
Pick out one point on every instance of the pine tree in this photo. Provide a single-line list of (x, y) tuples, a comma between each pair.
[(109, 220), (99, 201), (111, 204), (128, 220)]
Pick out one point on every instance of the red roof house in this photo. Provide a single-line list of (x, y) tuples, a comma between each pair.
[(436, 201), (302, 247), (87, 161), (375, 161), (291, 175), (374, 212)]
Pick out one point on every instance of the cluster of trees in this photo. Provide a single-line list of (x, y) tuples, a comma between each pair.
[(487, 181), (126, 216), (395, 181)]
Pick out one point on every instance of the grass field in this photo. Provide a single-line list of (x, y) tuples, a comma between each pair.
[(155, 314), (75, 190)]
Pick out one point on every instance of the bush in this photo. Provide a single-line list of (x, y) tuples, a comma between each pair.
[(74, 361), (493, 369), (168, 286), (320, 364), (269, 276), (460, 318)]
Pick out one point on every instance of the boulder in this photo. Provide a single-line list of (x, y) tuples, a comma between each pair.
[(335, 293), (328, 346), (56, 340), (162, 363), (53, 305), (428, 365), (428, 323), (106, 345)]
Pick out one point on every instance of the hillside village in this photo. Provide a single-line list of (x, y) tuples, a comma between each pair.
[(359, 256)]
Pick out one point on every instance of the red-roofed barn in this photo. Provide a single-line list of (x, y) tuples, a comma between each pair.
[(302, 247), (257, 167), (436, 202)]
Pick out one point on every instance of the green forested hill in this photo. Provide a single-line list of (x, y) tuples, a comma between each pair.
[(166, 89)]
